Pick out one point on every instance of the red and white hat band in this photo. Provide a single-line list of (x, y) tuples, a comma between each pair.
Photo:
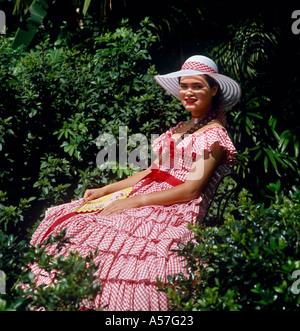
[(198, 66)]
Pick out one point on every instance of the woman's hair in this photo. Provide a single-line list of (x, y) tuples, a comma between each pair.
[(217, 98)]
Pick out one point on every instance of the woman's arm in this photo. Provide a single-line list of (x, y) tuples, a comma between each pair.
[(117, 186), (197, 178)]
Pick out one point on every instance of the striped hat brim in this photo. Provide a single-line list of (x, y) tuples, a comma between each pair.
[(231, 90)]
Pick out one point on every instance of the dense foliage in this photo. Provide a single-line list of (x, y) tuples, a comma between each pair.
[(246, 264), (69, 88), (73, 284), (56, 102)]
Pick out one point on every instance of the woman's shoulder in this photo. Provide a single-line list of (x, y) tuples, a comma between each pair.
[(214, 125)]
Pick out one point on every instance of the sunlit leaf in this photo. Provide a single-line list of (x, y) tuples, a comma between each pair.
[(86, 6)]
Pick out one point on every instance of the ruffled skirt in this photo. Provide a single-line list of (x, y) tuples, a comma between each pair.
[(134, 248)]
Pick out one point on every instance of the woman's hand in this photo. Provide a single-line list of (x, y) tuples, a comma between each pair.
[(118, 206), (93, 194)]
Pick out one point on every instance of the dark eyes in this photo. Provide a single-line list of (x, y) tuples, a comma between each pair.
[(194, 87)]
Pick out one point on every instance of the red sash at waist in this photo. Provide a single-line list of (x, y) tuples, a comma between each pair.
[(160, 175), (154, 175), (163, 176)]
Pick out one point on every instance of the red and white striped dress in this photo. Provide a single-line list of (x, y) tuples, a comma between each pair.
[(135, 245)]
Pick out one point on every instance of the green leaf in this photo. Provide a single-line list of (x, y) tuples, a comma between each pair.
[(271, 157), (278, 158), (34, 18), (266, 164), (249, 123), (258, 155), (255, 115), (273, 243), (120, 173), (296, 145), (284, 140), (86, 6)]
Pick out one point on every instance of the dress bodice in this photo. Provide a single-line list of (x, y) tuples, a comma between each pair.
[(177, 158)]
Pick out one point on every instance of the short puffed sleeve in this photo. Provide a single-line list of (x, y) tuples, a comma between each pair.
[(204, 141)]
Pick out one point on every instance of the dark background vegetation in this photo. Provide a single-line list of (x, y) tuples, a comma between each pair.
[(68, 76)]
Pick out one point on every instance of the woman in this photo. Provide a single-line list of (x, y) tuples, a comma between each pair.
[(135, 236)]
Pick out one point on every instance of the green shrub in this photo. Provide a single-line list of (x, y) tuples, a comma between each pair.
[(74, 282), (246, 264), (54, 104), (13, 256), (264, 127)]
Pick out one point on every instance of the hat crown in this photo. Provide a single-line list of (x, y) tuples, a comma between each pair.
[(200, 62)]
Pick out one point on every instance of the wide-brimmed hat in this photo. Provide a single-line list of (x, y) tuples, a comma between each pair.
[(202, 65)]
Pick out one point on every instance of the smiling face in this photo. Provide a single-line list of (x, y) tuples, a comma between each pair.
[(196, 94)]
